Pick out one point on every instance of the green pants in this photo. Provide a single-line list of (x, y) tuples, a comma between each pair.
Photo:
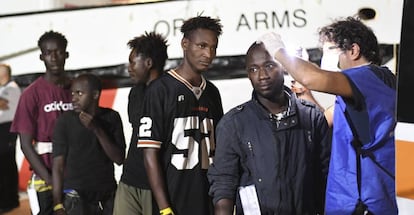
[(132, 200)]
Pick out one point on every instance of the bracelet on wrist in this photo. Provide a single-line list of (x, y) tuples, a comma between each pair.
[(166, 211), (58, 207)]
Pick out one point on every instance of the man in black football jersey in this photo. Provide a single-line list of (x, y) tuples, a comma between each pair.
[(181, 110), (146, 63)]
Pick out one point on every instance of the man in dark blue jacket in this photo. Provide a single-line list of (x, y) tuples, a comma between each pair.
[(272, 152)]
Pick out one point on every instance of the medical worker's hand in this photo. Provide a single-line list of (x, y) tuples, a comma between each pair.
[(272, 42)]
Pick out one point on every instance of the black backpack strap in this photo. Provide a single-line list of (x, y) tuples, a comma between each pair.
[(357, 146), (368, 153), (360, 208)]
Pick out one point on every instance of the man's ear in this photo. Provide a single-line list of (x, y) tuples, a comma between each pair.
[(41, 57), (355, 51), (96, 94), (148, 63), (184, 43), (67, 55)]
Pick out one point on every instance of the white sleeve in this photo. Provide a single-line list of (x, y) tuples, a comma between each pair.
[(11, 93)]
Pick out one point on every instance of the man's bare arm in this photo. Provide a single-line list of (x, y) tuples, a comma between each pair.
[(156, 177), (58, 169), (224, 207), (4, 104), (34, 159)]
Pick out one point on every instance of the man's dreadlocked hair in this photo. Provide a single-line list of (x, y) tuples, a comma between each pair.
[(151, 45)]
